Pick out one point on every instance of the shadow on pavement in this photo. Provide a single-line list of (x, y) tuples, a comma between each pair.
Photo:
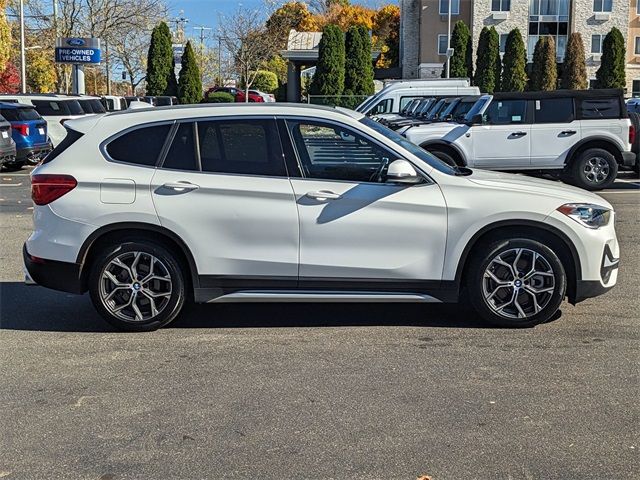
[(34, 308)]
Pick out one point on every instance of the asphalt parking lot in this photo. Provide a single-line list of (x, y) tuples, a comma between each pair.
[(317, 391)]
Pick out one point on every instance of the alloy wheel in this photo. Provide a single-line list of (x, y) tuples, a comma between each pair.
[(135, 286), (518, 283), (596, 170)]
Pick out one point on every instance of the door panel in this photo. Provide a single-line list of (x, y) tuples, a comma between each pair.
[(372, 231), (550, 142)]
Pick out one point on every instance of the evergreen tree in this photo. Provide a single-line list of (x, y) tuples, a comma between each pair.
[(189, 81), (358, 75), (574, 72), (488, 50), (514, 75), (494, 45), (160, 64), (469, 58), (329, 76), (172, 81), (544, 72), (460, 39), (611, 73)]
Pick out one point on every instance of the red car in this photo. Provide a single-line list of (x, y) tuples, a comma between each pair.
[(237, 93)]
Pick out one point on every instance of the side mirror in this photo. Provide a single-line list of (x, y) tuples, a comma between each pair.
[(401, 171), (477, 119)]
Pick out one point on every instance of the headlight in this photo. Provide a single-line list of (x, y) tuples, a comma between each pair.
[(589, 215)]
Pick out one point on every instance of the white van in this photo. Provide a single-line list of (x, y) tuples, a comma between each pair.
[(395, 95), (54, 108)]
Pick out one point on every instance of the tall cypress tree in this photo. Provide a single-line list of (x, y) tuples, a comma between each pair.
[(574, 72), (329, 76), (358, 75), (189, 83), (488, 50), (514, 75), (494, 45), (460, 39), (544, 72), (160, 64), (611, 73)]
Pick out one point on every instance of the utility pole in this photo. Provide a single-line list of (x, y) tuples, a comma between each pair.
[(202, 30), (180, 22), (449, 40), (23, 67), (106, 61)]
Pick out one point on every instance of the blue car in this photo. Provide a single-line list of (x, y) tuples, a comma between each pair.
[(29, 131)]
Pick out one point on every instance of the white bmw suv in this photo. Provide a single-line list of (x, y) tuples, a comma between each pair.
[(147, 209)]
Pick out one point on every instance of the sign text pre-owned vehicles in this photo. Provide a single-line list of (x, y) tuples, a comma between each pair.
[(146, 208), (584, 135)]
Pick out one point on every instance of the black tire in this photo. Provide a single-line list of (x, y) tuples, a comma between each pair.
[(593, 169), (167, 266), (13, 166), (478, 285), (445, 155)]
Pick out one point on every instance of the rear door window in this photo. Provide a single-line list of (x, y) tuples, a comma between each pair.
[(141, 146), (553, 110), (594, 108), (246, 147)]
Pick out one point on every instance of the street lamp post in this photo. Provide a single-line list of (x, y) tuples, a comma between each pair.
[(449, 40), (23, 67)]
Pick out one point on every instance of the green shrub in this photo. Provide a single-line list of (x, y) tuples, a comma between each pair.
[(358, 75), (161, 78), (220, 97), (574, 72), (265, 81), (488, 55), (189, 80), (329, 76), (514, 62), (544, 71), (611, 73)]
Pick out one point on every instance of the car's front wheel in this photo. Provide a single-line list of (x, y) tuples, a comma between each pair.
[(516, 282), (137, 286)]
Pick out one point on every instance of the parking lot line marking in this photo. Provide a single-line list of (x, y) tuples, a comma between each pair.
[(10, 184)]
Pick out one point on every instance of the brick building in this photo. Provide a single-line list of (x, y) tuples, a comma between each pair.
[(423, 29)]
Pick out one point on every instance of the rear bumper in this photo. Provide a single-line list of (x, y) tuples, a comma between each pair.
[(7, 153), (62, 276), (37, 150), (628, 159)]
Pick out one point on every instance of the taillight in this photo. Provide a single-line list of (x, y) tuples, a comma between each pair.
[(22, 128), (632, 134), (47, 188)]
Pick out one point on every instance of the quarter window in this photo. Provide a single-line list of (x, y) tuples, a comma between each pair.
[(505, 112), (332, 152), (600, 108), (500, 5), (249, 147), (141, 146), (553, 110), (602, 5), (455, 7), (182, 153)]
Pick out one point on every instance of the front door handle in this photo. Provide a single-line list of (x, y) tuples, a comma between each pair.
[(324, 195), (518, 134), (568, 132), (181, 186)]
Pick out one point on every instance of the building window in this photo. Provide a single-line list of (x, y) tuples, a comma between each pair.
[(455, 7), (503, 42), (638, 7), (500, 5), (602, 5), (548, 18), (635, 88), (637, 45), (596, 44), (442, 44)]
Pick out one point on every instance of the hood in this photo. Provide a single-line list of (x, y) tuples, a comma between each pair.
[(535, 186)]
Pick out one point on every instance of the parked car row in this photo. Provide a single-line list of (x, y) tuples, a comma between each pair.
[(28, 130), (255, 96), (581, 136)]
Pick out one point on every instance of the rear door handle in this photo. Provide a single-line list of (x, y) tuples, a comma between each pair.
[(568, 132), (324, 195), (518, 134), (181, 186)]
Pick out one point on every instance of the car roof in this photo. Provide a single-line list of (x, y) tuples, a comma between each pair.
[(603, 92)]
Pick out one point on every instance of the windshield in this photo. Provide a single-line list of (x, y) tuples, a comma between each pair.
[(435, 109), (410, 147), (462, 108), (477, 108), (364, 106), (448, 109)]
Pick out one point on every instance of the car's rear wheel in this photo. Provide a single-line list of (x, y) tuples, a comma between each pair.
[(137, 286), (516, 282), (594, 169)]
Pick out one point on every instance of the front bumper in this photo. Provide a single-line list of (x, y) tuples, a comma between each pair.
[(593, 288), (628, 159), (62, 276)]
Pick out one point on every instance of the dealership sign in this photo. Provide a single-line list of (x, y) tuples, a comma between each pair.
[(78, 50)]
